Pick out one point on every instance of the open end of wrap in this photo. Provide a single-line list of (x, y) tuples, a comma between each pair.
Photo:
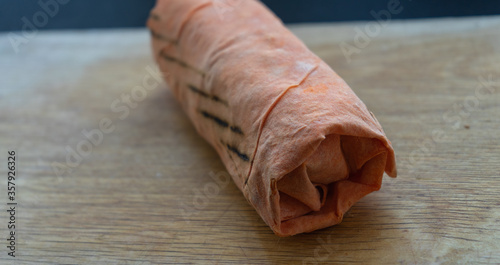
[(341, 171)]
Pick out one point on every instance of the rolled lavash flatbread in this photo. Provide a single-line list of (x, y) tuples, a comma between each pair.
[(297, 141)]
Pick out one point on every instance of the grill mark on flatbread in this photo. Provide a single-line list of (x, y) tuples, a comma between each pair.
[(236, 129), (237, 152), (221, 122), (154, 16), (216, 119), (158, 36), (230, 155), (181, 63), (206, 95)]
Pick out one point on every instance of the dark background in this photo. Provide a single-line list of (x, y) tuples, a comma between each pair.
[(83, 14)]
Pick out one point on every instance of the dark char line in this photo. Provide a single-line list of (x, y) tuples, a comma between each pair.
[(236, 129), (181, 63), (154, 17), (237, 152), (206, 95), (217, 120), (221, 122), (163, 38)]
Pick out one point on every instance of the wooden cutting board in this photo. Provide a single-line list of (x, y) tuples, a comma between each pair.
[(149, 190)]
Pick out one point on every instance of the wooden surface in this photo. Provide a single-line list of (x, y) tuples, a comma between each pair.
[(145, 195)]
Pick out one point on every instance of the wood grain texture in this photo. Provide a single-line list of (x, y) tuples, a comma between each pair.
[(145, 194)]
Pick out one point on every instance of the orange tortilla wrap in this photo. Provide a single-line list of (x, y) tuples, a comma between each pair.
[(297, 141)]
